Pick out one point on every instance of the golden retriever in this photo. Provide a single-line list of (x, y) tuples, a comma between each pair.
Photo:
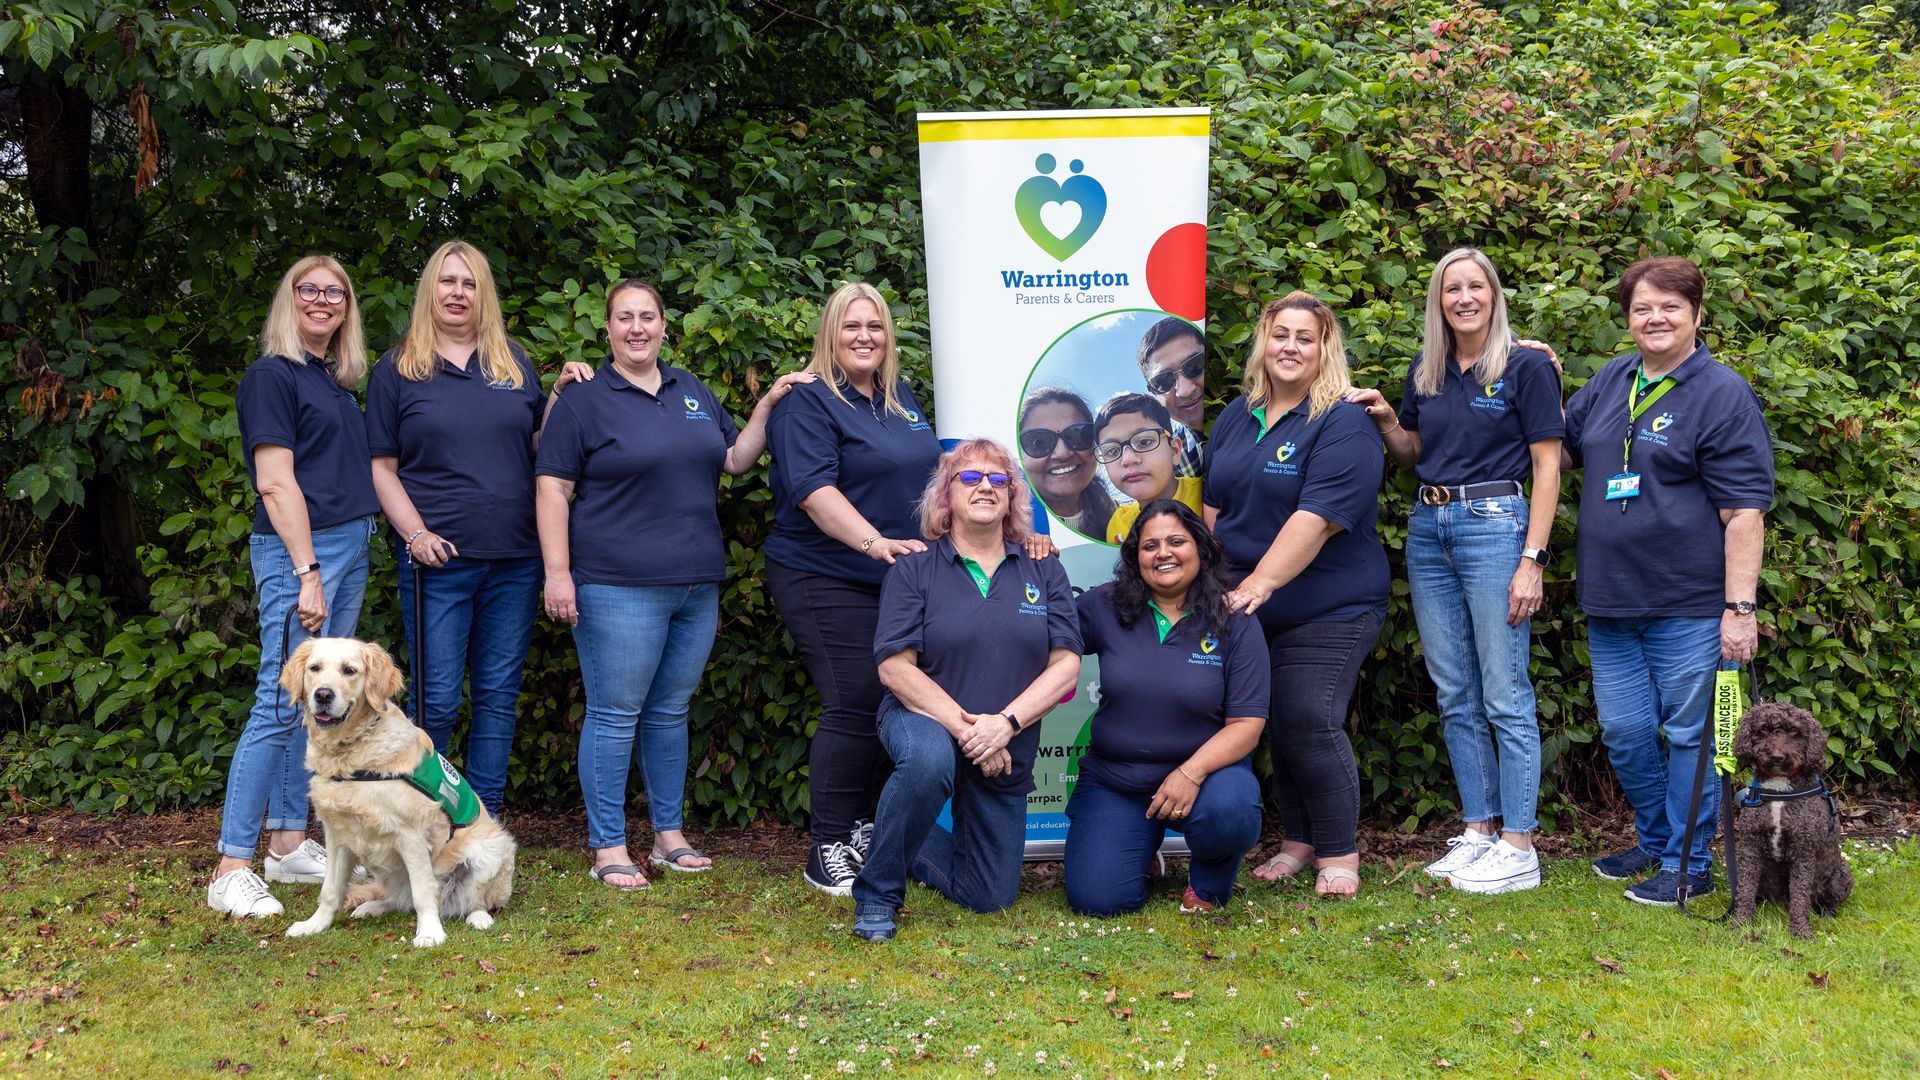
[(361, 748)]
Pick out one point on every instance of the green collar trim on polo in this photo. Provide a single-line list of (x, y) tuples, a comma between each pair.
[(978, 573), (1163, 624)]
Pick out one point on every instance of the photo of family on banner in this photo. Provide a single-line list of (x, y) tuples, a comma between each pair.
[(1081, 237)]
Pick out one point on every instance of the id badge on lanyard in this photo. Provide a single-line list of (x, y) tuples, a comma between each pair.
[(1625, 487)]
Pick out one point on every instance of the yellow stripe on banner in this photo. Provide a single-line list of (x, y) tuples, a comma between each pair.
[(1100, 127)]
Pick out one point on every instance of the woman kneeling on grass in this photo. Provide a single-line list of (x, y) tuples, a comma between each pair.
[(976, 642), (1183, 699)]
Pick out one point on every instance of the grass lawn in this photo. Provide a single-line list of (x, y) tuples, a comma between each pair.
[(111, 963)]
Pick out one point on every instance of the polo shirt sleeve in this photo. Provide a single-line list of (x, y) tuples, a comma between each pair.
[(902, 619), (270, 404), (1736, 460), (1539, 398), (1344, 468), (1223, 428), (1063, 619), (1410, 401), (536, 398), (383, 409), (1579, 406), (563, 445), (806, 446), (1087, 606), (1249, 673), (729, 431)]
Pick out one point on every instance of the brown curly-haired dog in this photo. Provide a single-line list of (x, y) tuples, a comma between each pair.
[(1789, 848)]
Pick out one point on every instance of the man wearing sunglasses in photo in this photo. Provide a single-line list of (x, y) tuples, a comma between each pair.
[(1173, 360), (1140, 451)]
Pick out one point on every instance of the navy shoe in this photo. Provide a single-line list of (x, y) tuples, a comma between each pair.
[(873, 924), (1663, 888), (1625, 865)]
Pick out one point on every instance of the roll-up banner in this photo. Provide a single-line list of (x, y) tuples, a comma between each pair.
[(1066, 268)]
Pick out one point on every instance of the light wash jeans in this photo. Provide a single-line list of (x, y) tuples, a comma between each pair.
[(643, 650), (1460, 559), (268, 774)]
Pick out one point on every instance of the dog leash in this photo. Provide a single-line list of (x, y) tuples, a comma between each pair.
[(1725, 720)]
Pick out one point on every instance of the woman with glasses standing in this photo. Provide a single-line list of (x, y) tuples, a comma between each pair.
[(1056, 450), (851, 453), (977, 641), (1292, 492), (306, 447), (1141, 454), (1480, 415)]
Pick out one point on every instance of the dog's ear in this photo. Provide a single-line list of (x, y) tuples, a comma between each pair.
[(383, 679), (293, 672), (1743, 737)]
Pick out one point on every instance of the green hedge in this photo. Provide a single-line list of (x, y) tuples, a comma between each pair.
[(748, 173)]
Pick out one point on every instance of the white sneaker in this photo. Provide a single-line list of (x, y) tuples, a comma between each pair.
[(304, 865), (243, 895), (1503, 869), (1462, 850)]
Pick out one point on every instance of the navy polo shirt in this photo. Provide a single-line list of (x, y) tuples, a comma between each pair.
[(984, 651), (1162, 700), (300, 407), (878, 460), (1703, 447), (646, 472), (1474, 433), (465, 451), (1330, 466)]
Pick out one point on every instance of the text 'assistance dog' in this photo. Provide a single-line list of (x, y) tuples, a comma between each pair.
[(1786, 823), (389, 802)]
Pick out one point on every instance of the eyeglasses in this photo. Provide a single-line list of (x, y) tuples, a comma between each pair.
[(1190, 369), (972, 478), (1142, 442), (1039, 442), (310, 292)]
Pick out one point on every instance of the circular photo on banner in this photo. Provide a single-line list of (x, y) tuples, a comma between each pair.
[(1112, 417)]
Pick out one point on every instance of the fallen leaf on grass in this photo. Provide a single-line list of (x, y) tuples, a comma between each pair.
[(1266, 1051), (1419, 889), (1664, 1074), (327, 1020), (488, 968), (584, 950), (1066, 1019), (1113, 995), (1790, 954), (765, 959), (1182, 995), (1441, 1063), (1518, 955), (1123, 1014), (1818, 978), (755, 1057), (1614, 966)]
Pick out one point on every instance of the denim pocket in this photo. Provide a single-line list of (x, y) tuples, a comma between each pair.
[(1498, 509)]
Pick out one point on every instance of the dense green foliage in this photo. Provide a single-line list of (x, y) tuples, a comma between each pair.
[(747, 160)]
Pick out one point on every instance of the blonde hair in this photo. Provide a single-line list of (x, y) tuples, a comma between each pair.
[(936, 502), (1431, 376), (413, 358), (887, 378), (347, 348), (1333, 381)]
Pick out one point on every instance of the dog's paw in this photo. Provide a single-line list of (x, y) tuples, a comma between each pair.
[(479, 920), (372, 908), (307, 927), (428, 938)]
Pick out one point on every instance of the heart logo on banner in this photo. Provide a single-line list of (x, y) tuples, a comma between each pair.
[(1060, 216)]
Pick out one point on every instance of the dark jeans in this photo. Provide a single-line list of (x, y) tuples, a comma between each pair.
[(1110, 840), (479, 628), (977, 865), (832, 621), (1315, 782)]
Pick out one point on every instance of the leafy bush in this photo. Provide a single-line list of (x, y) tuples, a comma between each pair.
[(749, 170)]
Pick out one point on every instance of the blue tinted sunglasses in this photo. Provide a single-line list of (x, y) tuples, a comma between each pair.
[(972, 478)]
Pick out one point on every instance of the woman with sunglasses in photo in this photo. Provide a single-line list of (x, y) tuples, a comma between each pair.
[(1183, 699), (1292, 492), (1480, 416), (1173, 359), (977, 640), (306, 447), (1056, 450), (1141, 455)]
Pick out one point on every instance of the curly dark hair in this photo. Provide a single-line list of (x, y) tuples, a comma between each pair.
[(1207, 597)]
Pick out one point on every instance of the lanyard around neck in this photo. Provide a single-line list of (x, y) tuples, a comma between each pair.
[(1637, 407)]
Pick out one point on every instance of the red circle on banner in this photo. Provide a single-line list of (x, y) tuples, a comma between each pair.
[(1177, 271)]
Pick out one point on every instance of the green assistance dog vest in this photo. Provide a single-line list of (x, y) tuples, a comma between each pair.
[(437, 779)]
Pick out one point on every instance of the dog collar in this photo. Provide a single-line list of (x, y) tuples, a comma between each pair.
[(1756, 795), (437, 779)]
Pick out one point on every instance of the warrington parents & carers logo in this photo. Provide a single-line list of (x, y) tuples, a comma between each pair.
[(1060, 216)]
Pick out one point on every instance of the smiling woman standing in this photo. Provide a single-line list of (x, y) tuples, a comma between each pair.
[(629, 469), (306, 447)]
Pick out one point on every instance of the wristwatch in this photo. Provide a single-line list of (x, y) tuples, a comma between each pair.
[(302, 571), (1539, 555), (1740, 607)]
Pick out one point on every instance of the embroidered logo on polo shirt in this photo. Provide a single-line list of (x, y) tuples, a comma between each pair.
[(1286, 451), (1205, 657), (694, 411), (1279, 466), (1493, 388), (1492, 402), (1653, 431), (1033, 594), (914, 423), (690, 403), (1033, 606), (1208, 643), (1663, 421), (913, 416)]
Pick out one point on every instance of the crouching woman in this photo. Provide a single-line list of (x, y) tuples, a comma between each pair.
[(976, 642), (1183, 699)]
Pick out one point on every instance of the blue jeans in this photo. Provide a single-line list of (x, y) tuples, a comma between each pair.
[(1110, 840), (977, 864), (1653, 682), (643, 650), (1460, 559), (479, 628), (268, 775)]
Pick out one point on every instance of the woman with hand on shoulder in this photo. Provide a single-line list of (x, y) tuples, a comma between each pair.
[(453, 419), (977, 641), (851, 453), (1183, 699), (1480, 416), (629, 469), (1293, 492), (306, 446)]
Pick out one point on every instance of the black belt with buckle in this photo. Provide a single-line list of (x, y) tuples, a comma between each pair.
[(1441, 496)]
